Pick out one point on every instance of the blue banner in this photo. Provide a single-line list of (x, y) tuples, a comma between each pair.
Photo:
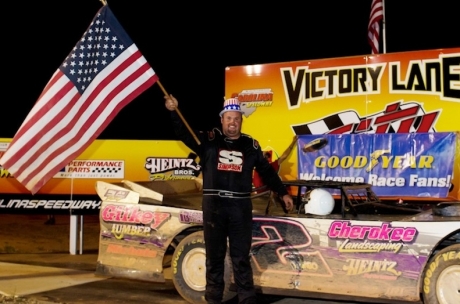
[(408, 164)]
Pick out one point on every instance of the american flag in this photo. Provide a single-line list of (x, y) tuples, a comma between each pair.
[(373, 28), (102, 74)]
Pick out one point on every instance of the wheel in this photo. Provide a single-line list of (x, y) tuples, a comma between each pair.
[(189, 269), (441, 278)]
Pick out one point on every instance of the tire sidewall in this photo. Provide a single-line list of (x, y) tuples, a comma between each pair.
[(189, 243), (445, 258)]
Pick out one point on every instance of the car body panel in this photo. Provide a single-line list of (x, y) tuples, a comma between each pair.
[(362, 255)]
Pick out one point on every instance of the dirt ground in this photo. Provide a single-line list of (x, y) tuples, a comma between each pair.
[(30, 234)]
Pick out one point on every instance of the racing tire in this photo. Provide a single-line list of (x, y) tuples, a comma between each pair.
[(189, 270), (441, 278)]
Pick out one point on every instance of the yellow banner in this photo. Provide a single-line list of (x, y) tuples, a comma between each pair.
[(113, 161), (386, 93)]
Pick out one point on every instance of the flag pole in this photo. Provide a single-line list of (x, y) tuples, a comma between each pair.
[(383, 29), (180, 114)]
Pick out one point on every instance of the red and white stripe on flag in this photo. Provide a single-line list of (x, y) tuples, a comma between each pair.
[(102, 74), (374, 25)]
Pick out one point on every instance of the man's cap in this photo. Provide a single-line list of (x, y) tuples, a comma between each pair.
[(231, 104)]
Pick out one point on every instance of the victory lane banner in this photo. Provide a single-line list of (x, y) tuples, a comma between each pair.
[(405, 92), (398, 164)]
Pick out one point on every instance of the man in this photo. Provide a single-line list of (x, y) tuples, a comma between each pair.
[(227, 158)]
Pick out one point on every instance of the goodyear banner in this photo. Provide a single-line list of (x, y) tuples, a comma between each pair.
[(401, 165), (407, 92)]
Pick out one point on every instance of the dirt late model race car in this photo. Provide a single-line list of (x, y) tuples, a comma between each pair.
[(343, 243)]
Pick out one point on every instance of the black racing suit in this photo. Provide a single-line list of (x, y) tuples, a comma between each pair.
[(227, 166)]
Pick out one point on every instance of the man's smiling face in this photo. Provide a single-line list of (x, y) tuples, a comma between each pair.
[(231, 124)]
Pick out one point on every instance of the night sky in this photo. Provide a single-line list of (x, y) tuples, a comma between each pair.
[(189, 45)]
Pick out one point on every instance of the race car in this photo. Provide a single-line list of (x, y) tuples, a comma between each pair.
[(340, 242)]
